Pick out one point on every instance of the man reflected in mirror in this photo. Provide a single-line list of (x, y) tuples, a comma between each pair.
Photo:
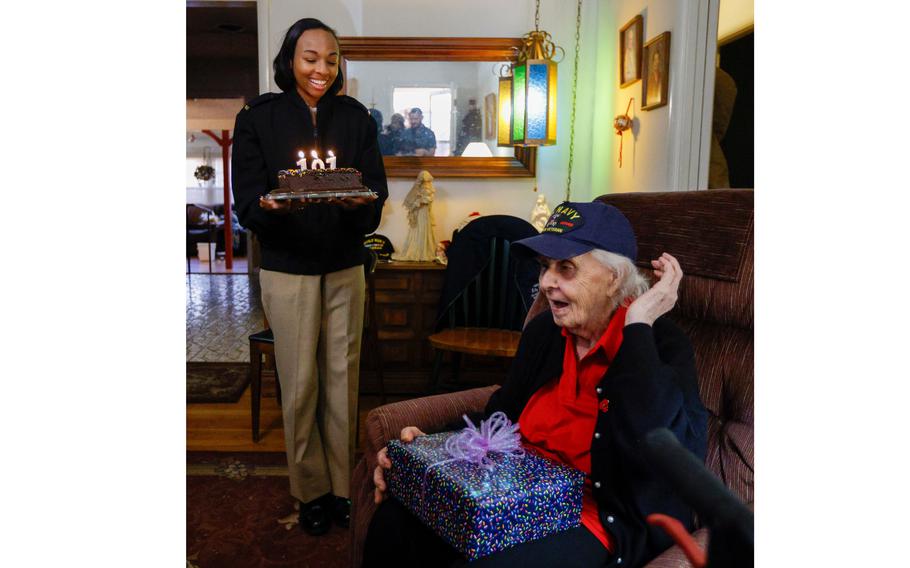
[(417, 140), (390, 140)]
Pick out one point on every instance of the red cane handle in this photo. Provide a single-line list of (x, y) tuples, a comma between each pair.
[(681, 537)]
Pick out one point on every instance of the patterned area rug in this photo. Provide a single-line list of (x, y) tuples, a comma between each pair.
[(234, 503), (216, 382)]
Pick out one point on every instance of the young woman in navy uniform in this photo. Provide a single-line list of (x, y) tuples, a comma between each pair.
[(312, 258)]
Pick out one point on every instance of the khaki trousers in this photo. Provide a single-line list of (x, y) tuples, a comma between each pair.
[(318, 323)]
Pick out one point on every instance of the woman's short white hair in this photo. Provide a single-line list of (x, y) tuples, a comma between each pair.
[(632, 282)]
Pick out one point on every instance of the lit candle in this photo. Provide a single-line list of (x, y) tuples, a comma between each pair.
[(331, 160), (301, 163), (316, 164)]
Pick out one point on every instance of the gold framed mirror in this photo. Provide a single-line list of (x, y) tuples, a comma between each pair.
[(455, 76)]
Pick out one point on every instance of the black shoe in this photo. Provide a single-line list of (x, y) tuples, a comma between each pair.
[(341, 512), (314, 517)]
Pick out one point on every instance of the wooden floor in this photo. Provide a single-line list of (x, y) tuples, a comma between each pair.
[(226, 427)]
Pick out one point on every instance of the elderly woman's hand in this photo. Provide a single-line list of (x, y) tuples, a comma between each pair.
[(408, 433), (661, 298)]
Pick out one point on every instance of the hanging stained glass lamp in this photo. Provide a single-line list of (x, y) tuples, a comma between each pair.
[(534, 91)]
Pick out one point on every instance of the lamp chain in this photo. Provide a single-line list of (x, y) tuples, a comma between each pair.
[(537, 17), (574, 90)]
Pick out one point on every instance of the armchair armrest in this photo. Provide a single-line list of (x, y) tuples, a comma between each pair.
[(430, 414)]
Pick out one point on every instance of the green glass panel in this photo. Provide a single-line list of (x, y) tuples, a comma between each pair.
[(519, 75)]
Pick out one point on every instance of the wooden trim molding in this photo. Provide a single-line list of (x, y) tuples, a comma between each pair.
[(524, 161), (733, 36), (430, 48)]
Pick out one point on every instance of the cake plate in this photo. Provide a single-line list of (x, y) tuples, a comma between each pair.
[(288, 195)]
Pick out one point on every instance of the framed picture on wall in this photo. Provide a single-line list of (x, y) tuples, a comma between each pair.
[(630, 52), (489, 116), (655, 81)]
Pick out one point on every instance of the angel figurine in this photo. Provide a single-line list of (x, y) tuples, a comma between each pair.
[(540, 213), (420, 244)]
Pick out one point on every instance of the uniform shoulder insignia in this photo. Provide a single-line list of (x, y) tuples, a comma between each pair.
[(353, 102), (261, 99)]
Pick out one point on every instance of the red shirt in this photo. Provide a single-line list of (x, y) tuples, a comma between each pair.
[(558, 422)]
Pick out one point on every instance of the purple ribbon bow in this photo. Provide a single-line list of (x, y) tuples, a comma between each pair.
[(496, 434), (473, 444)]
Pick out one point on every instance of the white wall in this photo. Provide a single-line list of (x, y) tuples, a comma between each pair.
[(735, 16), (644, 147), (662, 141)]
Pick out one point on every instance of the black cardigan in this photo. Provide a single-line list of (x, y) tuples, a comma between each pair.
[(268, 133), (651, 383)]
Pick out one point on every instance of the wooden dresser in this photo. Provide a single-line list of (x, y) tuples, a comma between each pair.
[(407, 297)]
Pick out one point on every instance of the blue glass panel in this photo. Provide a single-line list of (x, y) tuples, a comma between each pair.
[(537, 102)]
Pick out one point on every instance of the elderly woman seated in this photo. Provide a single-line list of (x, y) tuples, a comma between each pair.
[(591, 377)]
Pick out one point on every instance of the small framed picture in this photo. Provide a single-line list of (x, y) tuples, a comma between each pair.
[(655, 81), (489, 116), (630, 52)]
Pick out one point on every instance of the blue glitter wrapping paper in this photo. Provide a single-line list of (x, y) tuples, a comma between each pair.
[(480, 511)]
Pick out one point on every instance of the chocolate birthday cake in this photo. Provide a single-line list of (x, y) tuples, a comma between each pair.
[(319, 181)]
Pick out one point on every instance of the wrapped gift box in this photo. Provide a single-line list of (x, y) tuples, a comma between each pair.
[(481, 510)]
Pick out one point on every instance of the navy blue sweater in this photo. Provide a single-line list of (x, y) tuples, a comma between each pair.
[(269, 131), (651, 383)]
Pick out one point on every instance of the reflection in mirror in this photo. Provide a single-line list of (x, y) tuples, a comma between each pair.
[(463, 158), (430, 108)]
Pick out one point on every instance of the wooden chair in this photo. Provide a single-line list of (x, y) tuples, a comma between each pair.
[(371, 324), (484, 317), (263, 343)]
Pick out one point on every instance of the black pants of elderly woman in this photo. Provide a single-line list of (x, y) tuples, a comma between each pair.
[(398, 538)]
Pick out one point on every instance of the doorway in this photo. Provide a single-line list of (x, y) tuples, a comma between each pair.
[(736, 61), (222, 72)]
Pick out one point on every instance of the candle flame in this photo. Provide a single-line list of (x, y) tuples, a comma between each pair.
[(313, 153), (300, 153), (331, 154)]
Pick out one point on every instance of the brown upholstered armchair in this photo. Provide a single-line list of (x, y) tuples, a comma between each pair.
[(710, 232)]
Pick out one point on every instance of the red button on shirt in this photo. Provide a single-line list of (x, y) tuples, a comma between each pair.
[(559, 420)]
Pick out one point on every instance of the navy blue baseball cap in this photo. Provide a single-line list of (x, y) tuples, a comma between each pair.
[(577, 228)]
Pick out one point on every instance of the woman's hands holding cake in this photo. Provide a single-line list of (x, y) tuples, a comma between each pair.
[(349, 203), (274, 206), (284, 205), (408, 433)]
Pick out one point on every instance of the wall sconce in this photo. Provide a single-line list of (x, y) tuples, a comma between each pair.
[(621, 123)]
